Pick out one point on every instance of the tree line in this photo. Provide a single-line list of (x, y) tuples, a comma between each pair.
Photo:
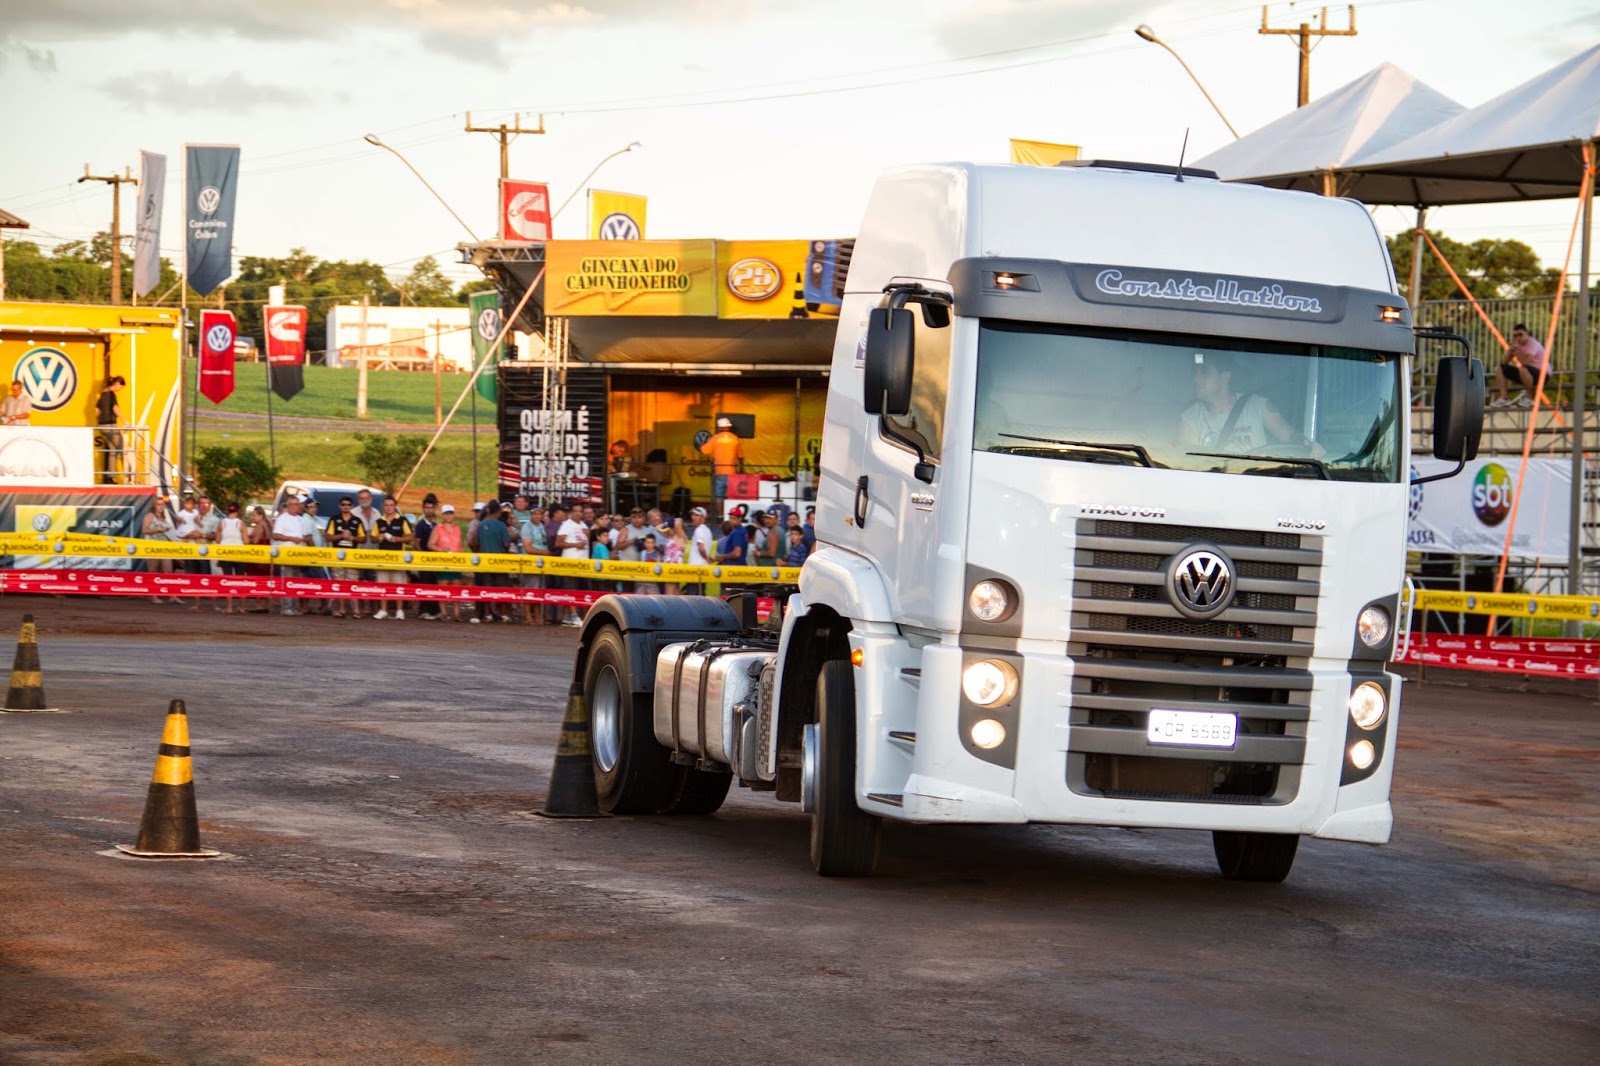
[(80, 272)]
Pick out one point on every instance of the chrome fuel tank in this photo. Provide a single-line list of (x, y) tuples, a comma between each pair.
[(702, 695)]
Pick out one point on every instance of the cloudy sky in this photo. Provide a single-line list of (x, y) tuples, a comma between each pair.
[(757, 119)]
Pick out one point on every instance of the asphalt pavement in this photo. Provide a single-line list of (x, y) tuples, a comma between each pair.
[(389, 898)]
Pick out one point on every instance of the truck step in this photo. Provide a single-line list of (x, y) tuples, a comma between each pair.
[(893, 799), (902, 736)]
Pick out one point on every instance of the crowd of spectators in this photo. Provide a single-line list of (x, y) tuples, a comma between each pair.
[(775, 537)]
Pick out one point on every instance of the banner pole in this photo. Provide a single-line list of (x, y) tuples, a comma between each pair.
[(272, 444), (183, 331)]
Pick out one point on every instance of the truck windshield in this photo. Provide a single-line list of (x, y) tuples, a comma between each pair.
[(1188, 402)]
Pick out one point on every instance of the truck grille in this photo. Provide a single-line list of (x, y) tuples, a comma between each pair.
[(1133, 651)]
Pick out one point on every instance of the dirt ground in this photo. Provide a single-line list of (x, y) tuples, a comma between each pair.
[(391, 899)]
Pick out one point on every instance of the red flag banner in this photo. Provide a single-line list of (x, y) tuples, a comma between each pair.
[(524, 210), (217, 331), (286, 335)]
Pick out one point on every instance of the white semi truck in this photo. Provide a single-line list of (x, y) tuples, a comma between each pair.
[(1110, 531)]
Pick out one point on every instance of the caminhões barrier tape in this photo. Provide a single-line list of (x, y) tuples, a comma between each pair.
[(1508, 604), (83, 546)]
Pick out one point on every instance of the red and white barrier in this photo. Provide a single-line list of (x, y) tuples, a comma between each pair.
[(1532, 656)]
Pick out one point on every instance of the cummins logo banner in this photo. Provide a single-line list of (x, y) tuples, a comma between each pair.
[(286, 349), (1469, 514), (211, 179)]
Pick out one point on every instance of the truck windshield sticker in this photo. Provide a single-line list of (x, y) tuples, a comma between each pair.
[(1240, 295)]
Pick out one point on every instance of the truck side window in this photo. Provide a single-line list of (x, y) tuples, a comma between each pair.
[(930, 384)]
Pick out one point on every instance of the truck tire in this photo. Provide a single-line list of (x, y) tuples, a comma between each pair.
[(1266, 857), (633, 774), (844, 838), (699, 791)]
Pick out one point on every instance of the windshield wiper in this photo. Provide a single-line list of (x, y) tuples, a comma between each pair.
[(1316, 464), (1136, 450)]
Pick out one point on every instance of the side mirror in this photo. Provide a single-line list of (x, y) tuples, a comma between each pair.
[(890, 343), (1458, 408)]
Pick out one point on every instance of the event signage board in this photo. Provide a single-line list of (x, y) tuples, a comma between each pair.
[(761, 279), (643, 278), (211, 183), (60, 456), (548, 455), (524, 210), (217, 333), (488, 346), (1469, 514)]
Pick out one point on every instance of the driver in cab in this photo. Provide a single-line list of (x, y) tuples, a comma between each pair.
[(1224, 420)]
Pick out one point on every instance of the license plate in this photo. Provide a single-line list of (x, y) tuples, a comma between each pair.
[(1198, 728)]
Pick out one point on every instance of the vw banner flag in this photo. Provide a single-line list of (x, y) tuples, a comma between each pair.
[(485, 319), (147, 229), (217, 331), (210, 182)]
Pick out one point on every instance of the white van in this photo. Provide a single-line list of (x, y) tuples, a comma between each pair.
[(326, 493)]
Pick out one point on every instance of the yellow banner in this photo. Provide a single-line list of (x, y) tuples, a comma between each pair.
[(672, 278), (616, 216), (761, 279), (1509, 604), (368, 559), (1041, 153)]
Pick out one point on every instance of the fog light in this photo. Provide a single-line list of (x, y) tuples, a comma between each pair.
[(1362, 753), (1367, 704), (988, 734), (989, 682), (1372, 626), (991, 601)]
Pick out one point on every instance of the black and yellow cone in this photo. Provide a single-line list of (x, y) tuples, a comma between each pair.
[(572, 792), (170, 828), (26, 692)]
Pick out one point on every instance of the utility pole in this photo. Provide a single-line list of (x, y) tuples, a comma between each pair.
[(116, 182), (1305, 31), (361, 373), (503, 133), (438, 411)]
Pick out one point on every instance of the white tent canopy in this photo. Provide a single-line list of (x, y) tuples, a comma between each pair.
[(1522, 145), (1300, 150)]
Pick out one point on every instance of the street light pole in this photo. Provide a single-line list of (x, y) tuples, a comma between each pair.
[(1148, 34), (592, 172), (372, 139)]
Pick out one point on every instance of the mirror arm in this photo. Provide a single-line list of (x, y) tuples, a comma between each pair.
[(1461, 464), (923, 471)]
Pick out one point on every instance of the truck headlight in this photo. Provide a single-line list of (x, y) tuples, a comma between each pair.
[(989, 682), (991, 601), (1362, 753), (1372, 625), (1368, 704)]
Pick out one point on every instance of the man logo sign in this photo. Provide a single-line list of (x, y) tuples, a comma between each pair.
[(1200, 582), (209, 200), (489, 324), (619, 227), (48, 377)]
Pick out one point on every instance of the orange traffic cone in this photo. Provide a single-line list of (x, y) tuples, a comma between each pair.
[(170, 828), (26, 693), (572, 792)]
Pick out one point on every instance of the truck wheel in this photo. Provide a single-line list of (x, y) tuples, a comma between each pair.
[(632, 772), (1254, 856), (844, 838), (699, 791)]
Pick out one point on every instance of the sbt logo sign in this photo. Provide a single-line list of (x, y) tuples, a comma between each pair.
[(1491, 494)]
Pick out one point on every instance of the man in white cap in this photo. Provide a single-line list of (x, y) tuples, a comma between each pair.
[(702, 550), (727, 457)]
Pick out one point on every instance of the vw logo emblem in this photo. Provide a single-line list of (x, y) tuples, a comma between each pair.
[(489, 324), (1200, 582), (48, 377), (209, 199), (41, 523), (219, 339), (619, 227)]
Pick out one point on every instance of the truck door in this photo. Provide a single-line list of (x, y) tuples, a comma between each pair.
[(896, 510)]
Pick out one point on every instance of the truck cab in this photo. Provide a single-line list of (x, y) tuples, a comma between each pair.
[(1110, 523)]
